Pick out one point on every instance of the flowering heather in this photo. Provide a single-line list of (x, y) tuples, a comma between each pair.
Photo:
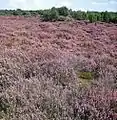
[(57, 70)]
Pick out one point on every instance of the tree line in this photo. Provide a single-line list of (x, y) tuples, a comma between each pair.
[(63, 13)]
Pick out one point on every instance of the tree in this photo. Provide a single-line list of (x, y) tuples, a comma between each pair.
[(63, 11), (26, 13), (92, 17), (79, 15), (50, 15), (15, 13), (74, 14), (18, 12), (106, 16), (99, 17), (54, 14)]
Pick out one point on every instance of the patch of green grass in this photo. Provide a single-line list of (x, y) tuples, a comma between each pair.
[(85, 78), (4, 109), (86, 75)]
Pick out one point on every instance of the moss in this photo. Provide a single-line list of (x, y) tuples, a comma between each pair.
[(86, 78), (86, 75), (4, 109)]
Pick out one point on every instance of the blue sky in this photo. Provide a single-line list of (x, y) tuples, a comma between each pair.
[(96, 5)]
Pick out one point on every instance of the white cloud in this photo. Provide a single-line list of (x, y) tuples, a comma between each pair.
[(75, 5), (38, 4), (104, 2), (25, 4), (103, 5), (99, 3), (67, 3)]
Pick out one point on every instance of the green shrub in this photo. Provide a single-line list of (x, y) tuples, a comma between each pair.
[(63, 11), (50, 15), (68, 18), (26, 13), (53, 14), (61, 18)]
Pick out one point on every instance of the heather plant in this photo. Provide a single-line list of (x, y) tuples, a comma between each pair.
[(5, 108), (57, 70), (41, 97)]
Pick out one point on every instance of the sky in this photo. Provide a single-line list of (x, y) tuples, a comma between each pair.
[(92, 5)]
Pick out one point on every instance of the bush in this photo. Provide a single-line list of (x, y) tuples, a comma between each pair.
[(53, 14), (50, 15), (92, 18), (68, 18), (61, 18), (18, 12), (63, 11)]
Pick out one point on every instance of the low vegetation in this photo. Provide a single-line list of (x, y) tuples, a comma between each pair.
[(86, 75), (56, 14), (57, 70)]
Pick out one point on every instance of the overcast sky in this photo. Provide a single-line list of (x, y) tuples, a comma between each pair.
[(97, 5)]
